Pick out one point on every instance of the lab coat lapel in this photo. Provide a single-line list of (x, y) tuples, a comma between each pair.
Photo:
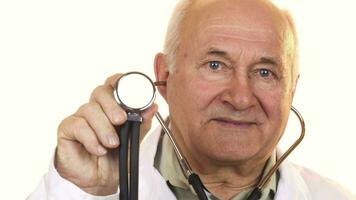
[(291, 185), (152, 184)]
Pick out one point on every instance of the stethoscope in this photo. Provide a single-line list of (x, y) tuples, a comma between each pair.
[(125, 92)]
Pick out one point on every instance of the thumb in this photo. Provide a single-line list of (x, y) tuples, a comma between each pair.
[(147, 116)]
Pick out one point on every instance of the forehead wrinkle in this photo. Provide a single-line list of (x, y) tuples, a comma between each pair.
[(239, 27), (236, 30), (247, 38)]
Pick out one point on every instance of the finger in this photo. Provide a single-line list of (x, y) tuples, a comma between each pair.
[(147, 116), (112, 80), (103, 95), (98, 121), (77, 129)]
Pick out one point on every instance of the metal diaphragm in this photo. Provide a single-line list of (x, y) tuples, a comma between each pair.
[(135, 91)]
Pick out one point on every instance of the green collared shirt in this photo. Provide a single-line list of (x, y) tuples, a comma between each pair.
[(167, 164)]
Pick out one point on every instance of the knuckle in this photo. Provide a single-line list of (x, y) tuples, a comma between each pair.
[(88, 108), (97, 92), (64, 122), (79, 124), (62, 126), (82, 109), (71, 126)]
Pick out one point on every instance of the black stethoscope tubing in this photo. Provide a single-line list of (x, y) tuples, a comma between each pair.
[(129, 132)]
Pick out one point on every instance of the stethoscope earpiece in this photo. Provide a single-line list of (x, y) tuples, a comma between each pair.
[(160, 83)]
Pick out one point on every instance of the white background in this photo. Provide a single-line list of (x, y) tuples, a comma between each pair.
[(53, 53)]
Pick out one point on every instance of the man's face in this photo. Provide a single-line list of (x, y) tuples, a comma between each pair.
[(230, 93)]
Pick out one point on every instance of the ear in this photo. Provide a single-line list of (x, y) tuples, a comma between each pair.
[(161, 73)]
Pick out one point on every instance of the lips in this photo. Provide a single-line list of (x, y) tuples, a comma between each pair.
[(235, 123)]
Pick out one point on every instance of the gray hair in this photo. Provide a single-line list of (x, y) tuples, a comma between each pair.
[(291, 44), (174, 31), (172, 39)]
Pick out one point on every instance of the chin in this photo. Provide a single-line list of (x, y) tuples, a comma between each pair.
[(227, 150), (229, 159)]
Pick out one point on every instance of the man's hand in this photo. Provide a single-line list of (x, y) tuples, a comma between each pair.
[(87, 153)]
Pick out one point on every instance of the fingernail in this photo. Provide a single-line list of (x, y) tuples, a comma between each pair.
[(112, 140), (101, 150)]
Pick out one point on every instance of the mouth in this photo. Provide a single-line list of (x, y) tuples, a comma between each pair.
[(241, 124)]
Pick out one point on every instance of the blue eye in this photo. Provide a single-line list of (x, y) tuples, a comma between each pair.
[(264, 73), (214, 65)]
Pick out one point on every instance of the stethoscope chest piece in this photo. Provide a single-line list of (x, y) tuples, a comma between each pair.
[(135, 92)]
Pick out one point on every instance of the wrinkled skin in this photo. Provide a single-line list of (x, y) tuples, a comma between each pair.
[(230, 91)]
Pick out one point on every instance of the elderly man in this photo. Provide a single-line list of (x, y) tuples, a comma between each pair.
[(234, 62)]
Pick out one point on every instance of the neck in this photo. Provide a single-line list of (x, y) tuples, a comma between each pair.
[(226, 182)]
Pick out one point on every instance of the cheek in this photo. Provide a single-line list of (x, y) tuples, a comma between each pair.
[(276, 105), (193, 93), (188, 100), (203, 93)]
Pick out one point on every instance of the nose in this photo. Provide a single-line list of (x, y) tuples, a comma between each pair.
[(239, 93)]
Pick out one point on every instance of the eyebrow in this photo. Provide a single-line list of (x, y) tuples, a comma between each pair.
[(268, 60), (218, 52), (263, 60)]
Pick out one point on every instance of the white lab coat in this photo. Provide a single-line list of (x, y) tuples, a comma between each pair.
[(295, 182)]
